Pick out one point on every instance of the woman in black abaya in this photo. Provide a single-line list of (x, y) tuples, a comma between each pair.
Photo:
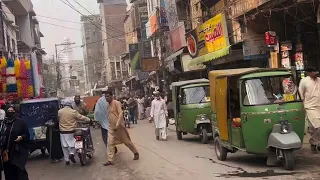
[(55, 151), (14, 139)]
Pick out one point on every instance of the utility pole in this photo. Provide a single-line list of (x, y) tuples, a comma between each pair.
[(162, 55)]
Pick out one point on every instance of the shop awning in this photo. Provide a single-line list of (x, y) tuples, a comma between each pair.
[(172, 56), (211, 56)]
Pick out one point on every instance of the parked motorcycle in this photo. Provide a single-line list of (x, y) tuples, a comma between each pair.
[(84, 145)]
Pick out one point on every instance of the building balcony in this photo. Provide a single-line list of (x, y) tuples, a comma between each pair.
[(20, 7)]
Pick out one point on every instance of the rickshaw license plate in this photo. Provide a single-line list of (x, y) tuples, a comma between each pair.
[(79, 145)]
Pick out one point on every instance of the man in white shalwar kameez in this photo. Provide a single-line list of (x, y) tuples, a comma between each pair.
[(159, 114), (310, 93), (140, 102), (68, 119)]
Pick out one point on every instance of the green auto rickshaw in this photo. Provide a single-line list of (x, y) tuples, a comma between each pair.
[(191, 105), (257, 111)]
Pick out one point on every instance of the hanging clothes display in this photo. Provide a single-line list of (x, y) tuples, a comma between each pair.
[(36, 77), (30, 90), (23, 79), (11, 77), (17, 67), (3, 66)]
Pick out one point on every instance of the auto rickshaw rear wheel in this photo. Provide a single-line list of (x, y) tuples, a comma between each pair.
[(221, 152), (204, 136), (179, 134), (288, 159)]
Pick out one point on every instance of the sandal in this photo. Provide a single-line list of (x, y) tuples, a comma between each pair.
[(108, 163)]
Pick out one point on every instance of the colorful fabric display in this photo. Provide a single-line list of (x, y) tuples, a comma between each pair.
[(23, 78), (3, 74), (10, 77), (29, 78)]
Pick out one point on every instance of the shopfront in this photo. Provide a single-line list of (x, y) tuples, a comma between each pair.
[(291, 33)]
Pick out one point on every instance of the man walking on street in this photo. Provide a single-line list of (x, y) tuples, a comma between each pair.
[(118, 134), (310, 93), (159, 114), (101, 115), (80, 106), (68, 118)]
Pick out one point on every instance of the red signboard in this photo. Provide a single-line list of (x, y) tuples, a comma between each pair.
[(177, 38), (271, 38)]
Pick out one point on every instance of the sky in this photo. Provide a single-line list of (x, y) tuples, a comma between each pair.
[(55, 35)]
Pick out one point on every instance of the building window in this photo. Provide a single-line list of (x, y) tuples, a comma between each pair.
[(87, 38), (13, 46), (118, 66), (8, 43)]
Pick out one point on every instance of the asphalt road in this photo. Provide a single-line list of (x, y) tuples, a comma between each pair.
[(171, 160)]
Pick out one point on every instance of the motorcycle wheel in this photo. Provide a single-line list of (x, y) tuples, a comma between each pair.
[(83, 155), (83, 158)]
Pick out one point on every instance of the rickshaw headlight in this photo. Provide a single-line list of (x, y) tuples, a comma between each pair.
[(285, 129), (202, 117)]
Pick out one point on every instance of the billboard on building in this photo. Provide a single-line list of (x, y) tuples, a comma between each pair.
[(143, 21), (163, 16), (254, 46), (152, 25), (145, 48), (150, 64), (177, 37), (208, 37), (134, 56)]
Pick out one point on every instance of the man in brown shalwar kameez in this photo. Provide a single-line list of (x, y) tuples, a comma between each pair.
[(118, 134)]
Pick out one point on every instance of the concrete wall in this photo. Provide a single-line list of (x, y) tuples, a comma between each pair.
[(93, 52), (114, 43), (25, 30)]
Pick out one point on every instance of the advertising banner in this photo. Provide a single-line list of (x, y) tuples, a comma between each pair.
[(254, 47), (177, 38), (134, 56), (145, 48), (208, 37), (143, 21), (163, 16), (150, 64), (152, 25)]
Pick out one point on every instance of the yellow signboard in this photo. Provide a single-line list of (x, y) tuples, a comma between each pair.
[(208, 37)]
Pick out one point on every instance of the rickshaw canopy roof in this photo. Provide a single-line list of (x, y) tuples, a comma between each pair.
[(248, 72), (182, 83), (39, 100)]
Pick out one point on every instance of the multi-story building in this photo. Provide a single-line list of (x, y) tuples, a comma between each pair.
[(10, 30), (92, 50), (112, 13), (22, 35)]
